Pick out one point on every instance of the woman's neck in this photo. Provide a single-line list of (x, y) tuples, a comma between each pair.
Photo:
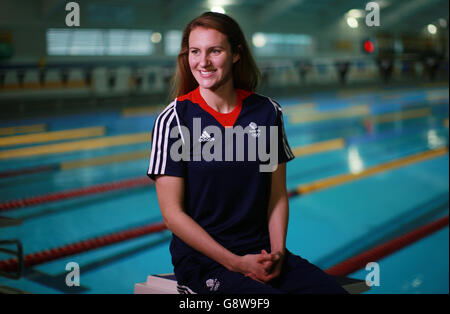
[(222, 99)]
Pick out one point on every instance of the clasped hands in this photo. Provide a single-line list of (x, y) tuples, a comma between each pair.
[(264, 266)]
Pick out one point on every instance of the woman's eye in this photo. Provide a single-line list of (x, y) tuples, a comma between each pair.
[(194, 52)]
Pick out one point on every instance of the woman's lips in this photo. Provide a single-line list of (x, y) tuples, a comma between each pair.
[(206, 74)]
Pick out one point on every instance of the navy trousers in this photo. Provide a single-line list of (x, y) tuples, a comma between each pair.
[(298, 276)]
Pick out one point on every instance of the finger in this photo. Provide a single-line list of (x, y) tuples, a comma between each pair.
[(270, 276), (263, 269), (262, 265), (263, 258), (275, 257), (268, 268)]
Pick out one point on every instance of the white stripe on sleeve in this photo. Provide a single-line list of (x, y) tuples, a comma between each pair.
[(159, 126), (278, 111)]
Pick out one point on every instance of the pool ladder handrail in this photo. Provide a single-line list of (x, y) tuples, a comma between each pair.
[(18, 253)]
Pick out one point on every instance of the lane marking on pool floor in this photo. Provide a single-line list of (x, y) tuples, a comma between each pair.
[(300, 190), (109, 141), (12, 130), (349, 177), (52, 136)]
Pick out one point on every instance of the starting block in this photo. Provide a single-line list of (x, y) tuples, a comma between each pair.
[(167, 284)]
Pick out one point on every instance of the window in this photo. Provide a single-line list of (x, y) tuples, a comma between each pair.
[(94, 42), (172, 42), (271, 44)]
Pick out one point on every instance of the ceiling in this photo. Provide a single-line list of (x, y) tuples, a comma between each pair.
[(279, 15), (292, 16)]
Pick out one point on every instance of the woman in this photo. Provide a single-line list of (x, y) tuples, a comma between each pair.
[(227, 214)]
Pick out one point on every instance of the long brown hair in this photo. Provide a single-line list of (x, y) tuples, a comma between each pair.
[(246, 74)]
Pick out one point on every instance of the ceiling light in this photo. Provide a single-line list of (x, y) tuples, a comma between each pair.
[(432, 29), (156, 37), (218, 9), (259, 40), (352, 22), (355, 13)]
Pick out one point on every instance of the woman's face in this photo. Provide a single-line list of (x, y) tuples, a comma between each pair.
[(210, 58)]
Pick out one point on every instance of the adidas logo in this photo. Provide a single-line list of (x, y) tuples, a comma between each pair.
[(206, 137)]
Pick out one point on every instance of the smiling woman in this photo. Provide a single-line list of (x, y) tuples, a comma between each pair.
[(228, 217), (245, 73), (211, 60)]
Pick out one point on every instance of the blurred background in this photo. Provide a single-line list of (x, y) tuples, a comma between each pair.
[(366, 114)]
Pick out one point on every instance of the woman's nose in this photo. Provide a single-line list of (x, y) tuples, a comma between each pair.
[(204, 60)]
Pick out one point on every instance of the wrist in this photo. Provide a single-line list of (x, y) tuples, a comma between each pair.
[(280, 252), (233, 263)]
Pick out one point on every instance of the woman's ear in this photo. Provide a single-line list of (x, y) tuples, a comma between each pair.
[(237, 55), (236, 58)]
